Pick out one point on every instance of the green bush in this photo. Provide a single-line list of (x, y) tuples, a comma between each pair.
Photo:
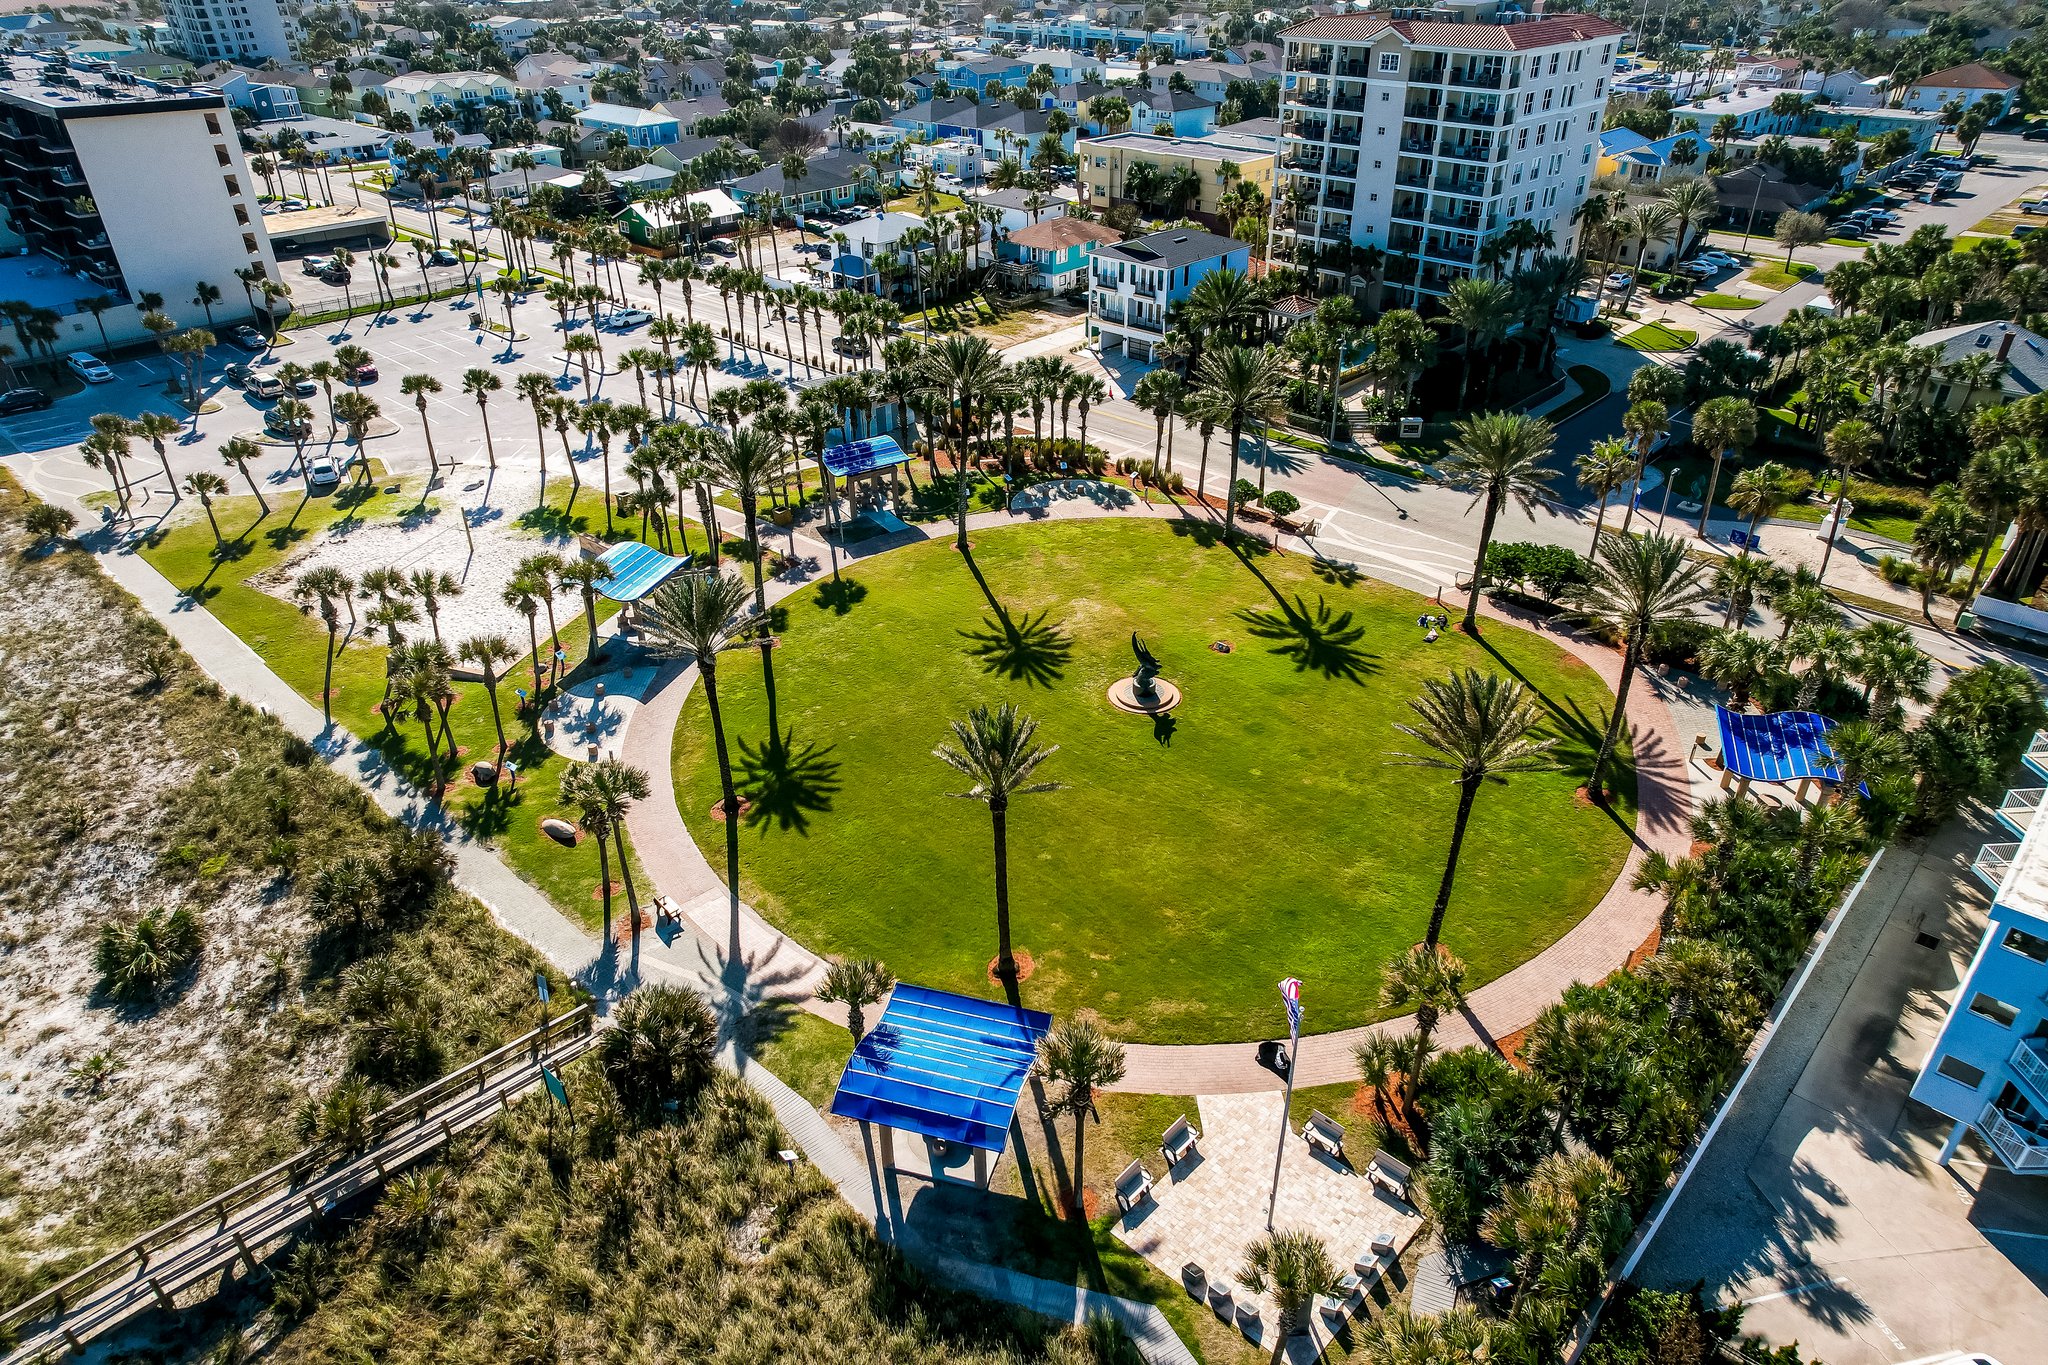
[(659, 1051), (1551, 571), (1282, 503), (1678, 642), (139, 961), (1246, 491)]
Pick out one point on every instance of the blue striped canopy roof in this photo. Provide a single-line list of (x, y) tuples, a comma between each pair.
[(635, 569), (947, 1066), (864, 457), (1783, 746)]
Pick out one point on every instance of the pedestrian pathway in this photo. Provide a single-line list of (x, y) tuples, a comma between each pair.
[(768, 962)]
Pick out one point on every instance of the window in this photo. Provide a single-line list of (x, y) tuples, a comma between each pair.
[(249, 244), (1994, 1009), (1599, 87), (233, 186), (1546, 98), (241, 215), (220, 154), (213, 124), (1521, 139), (1390, 61), (1553, 63), (1386, 95), (1529, 103), (2026, 944), (1960, 1071)]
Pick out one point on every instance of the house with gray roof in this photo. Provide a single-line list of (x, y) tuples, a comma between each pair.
[(1983, 364)]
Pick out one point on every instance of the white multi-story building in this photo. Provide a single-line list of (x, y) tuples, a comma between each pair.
[(233, 30), (1425, 133), (116, 187), (1988, 1069)]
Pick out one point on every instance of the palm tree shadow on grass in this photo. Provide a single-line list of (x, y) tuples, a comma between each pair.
[(1034, 651), (1578, 733), (1319, 640), (785, 783), (839, 596)]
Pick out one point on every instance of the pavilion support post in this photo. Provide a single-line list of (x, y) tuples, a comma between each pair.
[(888, 1147), (980, 1169)]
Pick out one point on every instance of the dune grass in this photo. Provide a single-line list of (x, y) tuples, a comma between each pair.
[(1184, 867)]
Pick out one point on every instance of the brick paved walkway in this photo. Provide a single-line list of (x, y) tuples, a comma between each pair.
[(1213, 1205), (763, 960)]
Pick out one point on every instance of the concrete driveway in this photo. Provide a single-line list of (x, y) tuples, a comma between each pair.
[(1819, 1204)]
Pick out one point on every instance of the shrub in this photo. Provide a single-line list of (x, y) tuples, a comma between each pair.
[(1678, 642), (1247, 492), (1282, 503), (1551, 570), (659, 1051), (139, 961), (46, 521)]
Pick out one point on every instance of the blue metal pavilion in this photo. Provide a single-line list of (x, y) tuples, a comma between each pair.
[(635, 570), (869, 456), (1784, 746), (947, 1067)]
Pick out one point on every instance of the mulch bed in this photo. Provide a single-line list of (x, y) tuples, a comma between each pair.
[(1025, 966), (597, 891), (718, 809)]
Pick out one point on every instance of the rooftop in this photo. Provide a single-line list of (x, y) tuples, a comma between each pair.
[(41, 282), (623, 115), (1056, 234), (1173, 248), (90, 89), (1475, 37), (2026, 353), (1193, 148), (1969, 76)]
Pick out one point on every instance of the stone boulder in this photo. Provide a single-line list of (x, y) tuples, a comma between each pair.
[(561, 831), (484, 774)]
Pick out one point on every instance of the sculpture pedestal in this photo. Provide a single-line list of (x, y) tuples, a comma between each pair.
[(1123, 695)]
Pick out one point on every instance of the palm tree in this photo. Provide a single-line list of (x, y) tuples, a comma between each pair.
[(585, 575), (1481, 727), (1482, 310), (1692, 203), (1741, 581), (1379, 1060), (1603, 470), (1645, 423), (490, 653), (1428, 977), (1635, 585), (1758, 492), (1724, 426), (1891, 668), (206, 485), (480, 384), (698, 616), (602, 793), (856, 983), (1080, 1058), (419, 387), (748, 461), (238, 451), (661, 1049), (331, 589), (1295, 1267), (996, 753), (962, 371), (1942, 541), (157, 428), (1849, 445), (1225, 305), (420, 677), (1497, 456), (1646, 223), (1237, 387), (1740, 662)]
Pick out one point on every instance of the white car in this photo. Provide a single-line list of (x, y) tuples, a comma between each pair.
[(313, 265), (89, 367), (1699, 270), (323, 472), (1720, 260), (1619, 279), (625, 319)]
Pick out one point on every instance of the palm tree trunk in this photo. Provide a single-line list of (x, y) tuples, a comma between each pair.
[(708, 671), (626, 874), (327, 680), (604, 882), (1471, 623), (1230, 495), (497, 717), (1707, 503), (1629, 660), (1006, 963), (1468, 791), (1599, 525), (1080, 1181)]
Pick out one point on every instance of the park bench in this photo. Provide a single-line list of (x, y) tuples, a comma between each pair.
[(1179, 1140), (1133, 1187), (1320, 1130), (1390, 1174)]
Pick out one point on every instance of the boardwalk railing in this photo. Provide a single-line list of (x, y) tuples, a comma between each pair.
[(216, 1215)]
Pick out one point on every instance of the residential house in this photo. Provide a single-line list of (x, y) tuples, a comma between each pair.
[(543, 153), (460, 90), (1066, 65), (156, 66), (637, 182), (509, 31), (267, 100), (1107, 162), (1647, 161), (1920, 128), (2017, 366), (1753, 197), (833, 180), (570, 78), (1854, 89), (872, 257), (1971, 83), (1133, 284), (1053, 254), (640, 127), (1212, 80), (331, 140), (954, 156), (1750, 108), (1019, 208), (667, 222), (1081, 33), (998, 127), (690, 110)]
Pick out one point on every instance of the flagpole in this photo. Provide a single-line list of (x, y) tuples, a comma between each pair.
[(1287, 1103)]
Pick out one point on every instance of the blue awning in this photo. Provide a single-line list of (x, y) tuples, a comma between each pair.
[(635, 570), (864, 457), (1781, 747), (944, 1065)]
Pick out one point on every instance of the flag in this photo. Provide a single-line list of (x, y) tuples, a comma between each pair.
[(1290, 991), (556, 1090)]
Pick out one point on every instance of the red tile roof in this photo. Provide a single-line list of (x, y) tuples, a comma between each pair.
[(1970, 76)]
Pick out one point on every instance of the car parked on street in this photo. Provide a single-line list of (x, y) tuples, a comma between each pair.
[(23, 400), (444, 257), (313, 265), (1720, 260), (89, 367), (238, 375)]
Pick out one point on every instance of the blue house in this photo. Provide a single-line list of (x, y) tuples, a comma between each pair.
[(1133, 284), (642, 127), (1053, 255)]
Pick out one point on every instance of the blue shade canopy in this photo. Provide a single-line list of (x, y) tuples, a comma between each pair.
[(864, 457), (947, 1066), (1781, 747), (635, 570)]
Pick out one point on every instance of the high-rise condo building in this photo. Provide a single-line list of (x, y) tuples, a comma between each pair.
[(1425, 133), (248, 31)]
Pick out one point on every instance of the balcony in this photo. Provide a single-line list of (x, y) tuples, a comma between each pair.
[(1991, 863), (1477, 116), (2024, 1151), (1309, 132), (1445, 251), (1467, 151), (1471, 189), (1349, 139), (1318, 65), (1342, 202), (2030, 1064), (1480, 78), (1130, 320), (1424, 109), (1416, 146), (1463, 222), (2037, 755), (1349, 105), (1412, 181), (1427, 75), (1303, 161), (2016, 812)]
